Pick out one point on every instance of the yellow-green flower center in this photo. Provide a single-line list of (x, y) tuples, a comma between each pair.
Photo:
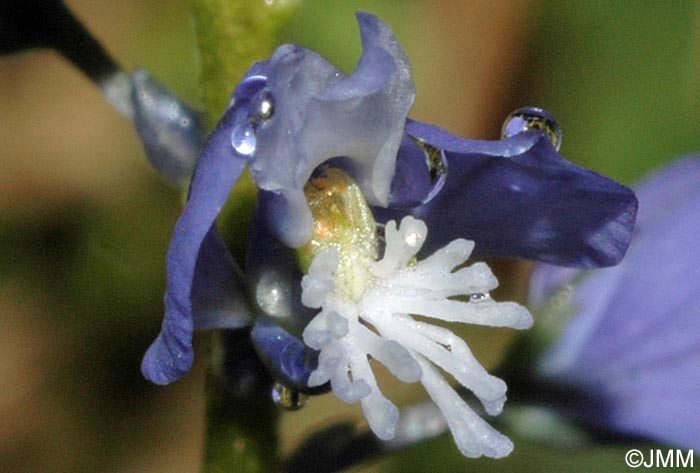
[(343, 221)]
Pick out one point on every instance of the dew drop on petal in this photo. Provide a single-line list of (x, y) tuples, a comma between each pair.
[(272, 296), (243, 136), (287, 398), (532, 118)]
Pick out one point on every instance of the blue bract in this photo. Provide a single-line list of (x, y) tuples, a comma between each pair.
[(632, 349), (516, 197)]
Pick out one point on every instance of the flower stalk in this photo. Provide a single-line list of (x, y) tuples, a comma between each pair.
[(231, 34)]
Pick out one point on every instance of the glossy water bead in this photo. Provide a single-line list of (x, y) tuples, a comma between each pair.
[(532, 118)]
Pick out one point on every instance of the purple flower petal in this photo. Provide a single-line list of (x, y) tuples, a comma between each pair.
[(274, 280), (272, 270), (320, 114), (219, 296), (412, 182), (290, 361), (518, 197), (219, 167), (673, 419), (635, 341)]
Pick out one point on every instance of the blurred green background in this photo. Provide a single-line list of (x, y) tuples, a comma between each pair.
[(85, 223)]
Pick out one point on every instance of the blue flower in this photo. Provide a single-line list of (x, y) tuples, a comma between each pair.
[(632, 349), (516, 197)]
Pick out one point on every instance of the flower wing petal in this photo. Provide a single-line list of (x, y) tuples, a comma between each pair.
[(518, 197), (219, 297), (219, 167)]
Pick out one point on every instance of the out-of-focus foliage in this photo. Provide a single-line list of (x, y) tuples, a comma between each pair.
[(621, 78)]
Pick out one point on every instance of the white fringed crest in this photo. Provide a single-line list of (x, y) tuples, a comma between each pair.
[(412, 350)]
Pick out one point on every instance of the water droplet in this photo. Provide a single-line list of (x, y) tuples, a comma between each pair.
[(243, 135), (272, 295), (532, 118), (287, 398), (479, 297), (436, 162), (265, 106)]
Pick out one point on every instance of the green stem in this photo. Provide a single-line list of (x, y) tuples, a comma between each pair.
[(231, 35), (241, 418), (241, 432)]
